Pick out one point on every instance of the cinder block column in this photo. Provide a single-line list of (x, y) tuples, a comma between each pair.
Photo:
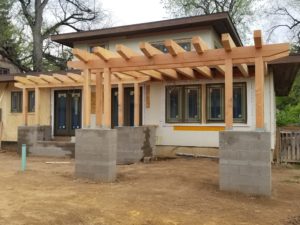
[(96, 154), (245, 162)]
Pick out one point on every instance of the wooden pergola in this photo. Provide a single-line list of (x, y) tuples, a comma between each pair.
[(103, 68)]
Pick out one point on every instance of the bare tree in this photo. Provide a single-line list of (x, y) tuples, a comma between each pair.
[(46, 17), (239, 10), (286, 19)]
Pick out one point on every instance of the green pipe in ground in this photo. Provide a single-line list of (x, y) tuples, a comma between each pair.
[(23, 157)]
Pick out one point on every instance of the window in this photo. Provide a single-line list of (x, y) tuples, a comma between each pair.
[(216, 107), (16, 101), (4, 71), (215, 103), (183, 104), (239, 103), (31, 101), (97, 45), (185, 44)]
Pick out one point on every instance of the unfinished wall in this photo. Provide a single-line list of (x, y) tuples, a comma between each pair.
[(11, 121), (135, 143), (245, 162)]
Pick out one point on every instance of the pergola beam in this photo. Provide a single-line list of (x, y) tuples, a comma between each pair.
[(104, 53), (173, 48), (36, 79), (187, 72), (152, 73), (199, 45), (23, 80), (84, 56), (258, 42), (204, 71), (125, 52), (63, 78), (50, 79), (228, 45), (75, 77), (150, 51)]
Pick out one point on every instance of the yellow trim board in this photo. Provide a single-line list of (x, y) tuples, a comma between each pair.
[(198, 128)]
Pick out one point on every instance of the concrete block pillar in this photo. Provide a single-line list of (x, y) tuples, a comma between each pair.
[(96, 154), (245, 162)]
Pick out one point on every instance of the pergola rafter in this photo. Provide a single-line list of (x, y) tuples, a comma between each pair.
[(104, 68)]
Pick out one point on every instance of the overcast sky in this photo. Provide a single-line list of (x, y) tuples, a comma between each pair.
[(134, 11)]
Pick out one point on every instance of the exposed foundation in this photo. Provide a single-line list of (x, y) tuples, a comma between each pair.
[(38, 141), (135, 143), (245, 162), (96, 156)]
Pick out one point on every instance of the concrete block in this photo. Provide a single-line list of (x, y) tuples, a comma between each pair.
[(245, 162), (96, 154), (135, 143), (30, 135)]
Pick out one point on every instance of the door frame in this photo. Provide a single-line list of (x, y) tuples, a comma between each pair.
[(127, 107), (52, 102)]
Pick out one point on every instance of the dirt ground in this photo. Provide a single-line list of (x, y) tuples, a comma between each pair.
[(179, 191)]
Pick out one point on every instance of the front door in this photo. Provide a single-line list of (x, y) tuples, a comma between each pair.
[(128, 106), (67, 112)]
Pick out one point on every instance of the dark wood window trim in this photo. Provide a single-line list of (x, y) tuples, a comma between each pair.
[(243, 118), (31, 101), (16, 102), (182, 118)]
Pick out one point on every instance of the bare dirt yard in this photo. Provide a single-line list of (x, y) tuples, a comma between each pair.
[(179, 191)]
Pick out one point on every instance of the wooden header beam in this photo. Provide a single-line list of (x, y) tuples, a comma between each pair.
[(211, 57)]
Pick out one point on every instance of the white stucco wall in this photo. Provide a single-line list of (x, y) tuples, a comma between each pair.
[(166, 135)]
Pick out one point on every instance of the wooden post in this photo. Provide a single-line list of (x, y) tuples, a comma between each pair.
[(87, 98), (99, 100), (25, 106), (228, 94), (259, 90), (136, 105), (121, 104), (107, 97), (37, 105)]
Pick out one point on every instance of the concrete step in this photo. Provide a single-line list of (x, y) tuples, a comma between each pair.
[(53, 148), (62, 138)]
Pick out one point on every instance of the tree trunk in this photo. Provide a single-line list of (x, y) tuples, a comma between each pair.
[(37, 38)]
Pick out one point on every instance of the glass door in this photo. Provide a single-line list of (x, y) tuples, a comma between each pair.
[(67, 112)]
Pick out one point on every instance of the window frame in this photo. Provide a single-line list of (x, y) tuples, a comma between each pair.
[(244, 107), (216, 85), (244, 89), (29, 102), (20, 107), (183, 118)]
